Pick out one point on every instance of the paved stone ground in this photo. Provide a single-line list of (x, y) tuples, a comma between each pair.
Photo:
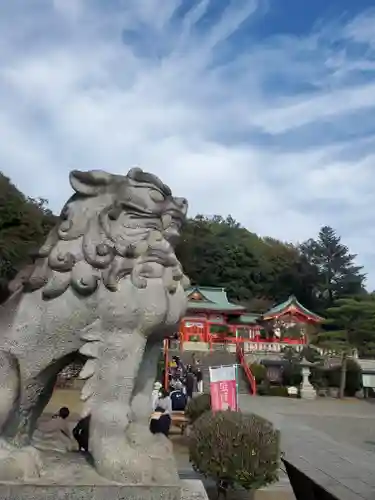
[(331, 441), (349, 421)]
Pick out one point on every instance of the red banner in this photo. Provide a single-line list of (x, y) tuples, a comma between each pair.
[(223, 386)]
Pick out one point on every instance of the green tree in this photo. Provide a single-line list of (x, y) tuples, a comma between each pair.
[(337, 275), (24, 223), (286, 272), (218, 251), (349, 325)]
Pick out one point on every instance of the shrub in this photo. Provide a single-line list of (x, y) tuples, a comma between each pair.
[(272, 390), (263, 388), (353, 377), (292, 375), (235, 449), (321, 377), (197, 406), (259, 371), (278, 390), (318, 377)]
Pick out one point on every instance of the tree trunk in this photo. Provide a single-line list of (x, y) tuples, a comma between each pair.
[(343, 375)]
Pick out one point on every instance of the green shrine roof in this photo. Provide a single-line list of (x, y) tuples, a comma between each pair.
[(290, 302), (210, 298)]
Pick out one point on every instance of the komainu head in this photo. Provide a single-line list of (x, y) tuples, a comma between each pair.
[(112, 227)]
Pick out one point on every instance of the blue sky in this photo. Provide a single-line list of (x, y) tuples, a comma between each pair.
[(261, 109)]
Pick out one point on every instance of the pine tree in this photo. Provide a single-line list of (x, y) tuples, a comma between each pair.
[(338, 274), (349, 325)]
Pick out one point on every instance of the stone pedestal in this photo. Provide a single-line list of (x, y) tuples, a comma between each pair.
[(91, 492), (188, 490), (70, 477)]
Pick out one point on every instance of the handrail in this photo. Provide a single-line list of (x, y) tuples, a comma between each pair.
[(250, 377), (166, 364)]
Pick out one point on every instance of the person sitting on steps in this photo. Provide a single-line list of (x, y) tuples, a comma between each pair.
[(160, 421)]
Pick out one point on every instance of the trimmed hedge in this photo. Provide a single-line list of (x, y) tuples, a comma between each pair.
[(259, 372), (197, 406), (273, 390), (292, 375), (235, 449), (321, 377), (279, 391)]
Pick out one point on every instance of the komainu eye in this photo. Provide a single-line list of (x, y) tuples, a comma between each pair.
[(156, 195)]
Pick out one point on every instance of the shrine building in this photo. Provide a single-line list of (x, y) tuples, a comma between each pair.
[(211, 317)]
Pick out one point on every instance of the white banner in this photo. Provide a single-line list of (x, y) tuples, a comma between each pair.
[(221, 373), (223, 388)]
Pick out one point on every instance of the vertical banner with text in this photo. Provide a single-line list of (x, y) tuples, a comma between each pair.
[(223, 387)]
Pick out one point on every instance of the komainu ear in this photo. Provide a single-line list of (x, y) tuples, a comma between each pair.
[(89, 183)]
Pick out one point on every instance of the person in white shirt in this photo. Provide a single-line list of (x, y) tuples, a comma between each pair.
[(155, 394), (164, 401)]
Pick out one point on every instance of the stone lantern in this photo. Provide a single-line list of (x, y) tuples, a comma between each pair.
[(307, 390)]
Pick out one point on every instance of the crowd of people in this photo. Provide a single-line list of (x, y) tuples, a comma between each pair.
[(188, 378), (182, 383)]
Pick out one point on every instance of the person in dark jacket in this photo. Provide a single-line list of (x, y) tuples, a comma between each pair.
[(179, 400), (81, 433), (199, 377), (190, 383), (160, 421)]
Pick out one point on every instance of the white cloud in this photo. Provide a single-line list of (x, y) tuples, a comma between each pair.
[(266, 131), (72, 10), (329, 105)]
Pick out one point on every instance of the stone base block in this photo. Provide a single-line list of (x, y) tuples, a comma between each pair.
[(69, 476), (188, 490), (89, 492)]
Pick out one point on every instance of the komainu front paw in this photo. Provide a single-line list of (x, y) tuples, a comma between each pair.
[(116, 460), (19, 463), (135, 457)]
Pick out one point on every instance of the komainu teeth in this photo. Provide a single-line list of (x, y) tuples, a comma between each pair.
[(141, 248), (90, 336), (154, 237), (166, 220), (90, 349), (87, 391), (92, 332), (88, 369)]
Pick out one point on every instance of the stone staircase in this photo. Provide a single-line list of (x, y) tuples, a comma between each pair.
[(212, 358)]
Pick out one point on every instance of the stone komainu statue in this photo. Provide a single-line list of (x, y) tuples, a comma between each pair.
[(106, 284)]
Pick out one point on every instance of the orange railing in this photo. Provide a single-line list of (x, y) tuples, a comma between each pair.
[(166, 364), (250, 377)]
